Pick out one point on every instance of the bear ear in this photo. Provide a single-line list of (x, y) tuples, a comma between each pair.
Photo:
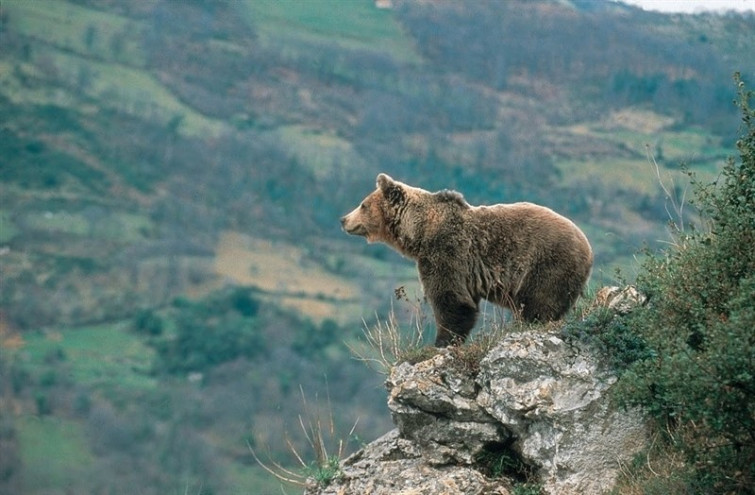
[(391, 189), (384, 181)]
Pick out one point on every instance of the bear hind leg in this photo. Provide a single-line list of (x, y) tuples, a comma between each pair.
[(549, 303)]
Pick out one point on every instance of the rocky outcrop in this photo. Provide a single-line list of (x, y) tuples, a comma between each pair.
[(551, 397), (395, 465), (536, 407), (621, 300)]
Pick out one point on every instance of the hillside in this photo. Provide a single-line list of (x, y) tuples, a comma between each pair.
[(177, 169)]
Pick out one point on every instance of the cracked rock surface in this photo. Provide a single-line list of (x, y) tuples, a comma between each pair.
[(536, 395)]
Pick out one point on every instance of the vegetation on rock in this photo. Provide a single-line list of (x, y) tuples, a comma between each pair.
[(699, 377), (158, 155)]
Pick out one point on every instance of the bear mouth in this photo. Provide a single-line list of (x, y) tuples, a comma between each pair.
[(357, 230)]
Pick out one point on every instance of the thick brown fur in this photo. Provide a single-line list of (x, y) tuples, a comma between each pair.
[(521, 256)]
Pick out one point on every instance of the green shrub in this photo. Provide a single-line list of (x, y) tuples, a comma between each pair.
[(44, 405), (699, 374), (148, 323), (312, 340), (222, 327), (612, 334), (325, 473), (31, 163), (244, 302)]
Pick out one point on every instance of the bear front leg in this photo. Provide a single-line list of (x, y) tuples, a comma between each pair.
[(454, 319)]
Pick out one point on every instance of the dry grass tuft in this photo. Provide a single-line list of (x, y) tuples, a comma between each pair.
[(385, 344), (319, 435)]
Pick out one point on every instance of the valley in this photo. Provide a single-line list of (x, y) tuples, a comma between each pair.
[(174, 283)]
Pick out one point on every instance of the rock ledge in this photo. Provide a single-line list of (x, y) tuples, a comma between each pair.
[(537, 399)]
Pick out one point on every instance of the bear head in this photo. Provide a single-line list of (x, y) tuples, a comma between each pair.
[(378, 217), (371, 218), (398, 214)]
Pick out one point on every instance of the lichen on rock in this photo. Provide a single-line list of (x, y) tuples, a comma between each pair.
[(551, 396), (536, 398)]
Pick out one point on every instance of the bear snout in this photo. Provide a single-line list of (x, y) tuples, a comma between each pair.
[(350, 226), (344, 219)]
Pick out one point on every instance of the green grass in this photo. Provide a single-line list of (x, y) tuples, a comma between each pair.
[(104, 356), (58, 222), (132, 91), (675, 146), (703, 152), (352, 24), (80, 51), (88, 32), (8, 229), (34, 164), (125, 89), (126, 227), (322, 152), (95, 65), (53, 453), (631, 174), (243, 479)]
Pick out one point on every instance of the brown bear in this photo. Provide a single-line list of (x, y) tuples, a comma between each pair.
[(521, 256)]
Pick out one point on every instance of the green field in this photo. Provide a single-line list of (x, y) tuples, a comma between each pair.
[(54, 453), (323, 152), (351, 24), (643, 149), (88, 64), (104, 357), (111, 363), (126, 227), (137, 135), (92, 33), (8, 229)]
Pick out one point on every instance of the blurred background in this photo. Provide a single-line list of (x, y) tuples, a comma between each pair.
[(174, 284)]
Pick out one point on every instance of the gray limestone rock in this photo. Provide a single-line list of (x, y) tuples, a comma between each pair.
[(552, 398), (392, 465), (536, 396)]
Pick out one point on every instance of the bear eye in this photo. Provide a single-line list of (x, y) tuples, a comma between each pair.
[(363, 206)]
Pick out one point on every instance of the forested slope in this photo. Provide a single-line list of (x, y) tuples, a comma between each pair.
[(173, 173)]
